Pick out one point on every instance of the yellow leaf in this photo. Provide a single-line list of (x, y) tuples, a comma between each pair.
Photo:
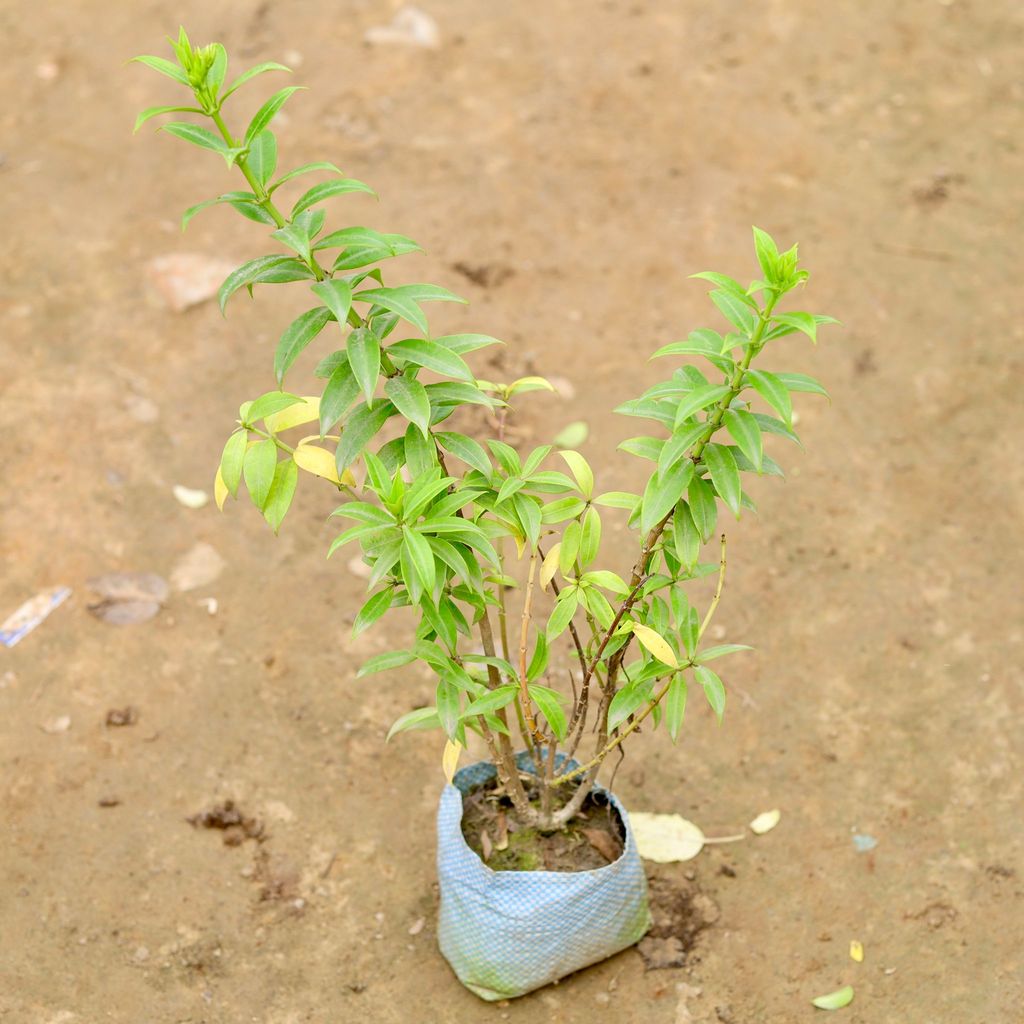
[(856, 951), (306, 411), (765, 822), (318, 461), (450, 758), (655, 644), (549, 566), (220, 490)]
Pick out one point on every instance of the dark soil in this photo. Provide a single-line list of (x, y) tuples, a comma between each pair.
[(593, 839)]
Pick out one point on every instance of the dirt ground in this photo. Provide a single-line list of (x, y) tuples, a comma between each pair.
[(587, 157)]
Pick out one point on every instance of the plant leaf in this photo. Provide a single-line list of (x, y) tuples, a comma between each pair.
[(259, 69), (267, 112), (363, 347), (299, 333), (326, 189), (410, 399), (656, 644), (675, 706), (550, 704), (724, 474), (714, 690), (834, 1000), (282, 490), (258, 470)]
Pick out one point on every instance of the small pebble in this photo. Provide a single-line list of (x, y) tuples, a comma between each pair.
[(417, 926), (55, 725)]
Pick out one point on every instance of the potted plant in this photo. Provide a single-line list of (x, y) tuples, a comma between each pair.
[(536, 647)]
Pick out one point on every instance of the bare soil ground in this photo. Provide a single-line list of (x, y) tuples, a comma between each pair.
[(579, 160)]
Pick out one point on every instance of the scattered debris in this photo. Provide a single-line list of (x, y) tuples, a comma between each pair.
[(417, 926), (210, 604), (235, 825), (765, 822), (856, 951), (486, 846), (603, 843), (190, 497), (127, 597), (834, 1000), (486, 275), (864, 843), (20, 623), (109, 801), (186, 279), (56, 725), (573, 435), (935, 915), (198, 567), (680, 912), (117, 717), (409, 27)]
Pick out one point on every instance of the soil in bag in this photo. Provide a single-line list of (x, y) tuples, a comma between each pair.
[(593, 839)]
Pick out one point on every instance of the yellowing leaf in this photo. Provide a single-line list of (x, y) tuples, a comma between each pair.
[(856, 951), (306, 411), (220, 490), (666, 838), (834, 1000), (655, 644), (318, 461), (549, 566), (765, 822), (450, 758)]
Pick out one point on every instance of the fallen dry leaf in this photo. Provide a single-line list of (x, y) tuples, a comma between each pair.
[(486, 846), (666, 838), (603, 843), (127, 597), (198, 567), (856, 951), (765, 822)]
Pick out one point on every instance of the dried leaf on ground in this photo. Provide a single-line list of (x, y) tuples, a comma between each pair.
[(666, 838), (765, 822), (127, 598), (856, 951), (200, 566), (603, 843)]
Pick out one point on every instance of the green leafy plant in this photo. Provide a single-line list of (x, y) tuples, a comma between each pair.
[(436, 513)]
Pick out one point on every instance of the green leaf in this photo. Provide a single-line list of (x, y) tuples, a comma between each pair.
[(165, 67), (363, 347), (244, 202), (528, 514), (767, 255), (561, 615), (662, 492), (774, 392), (326, 189), (361, 428), (644, 447), (271, 402), (367, 238), (570, 548), (539, 660), (463, 343), (383, 662), (156, 111), (448, 701), (834, 1000), (419, 718), (259, 69), (801, 382), (404, 300), (372, 611), (431, 356), (724, 474), (804, 322), (258, 469), (195, 134), (618, 499), (720, 650), (627, 701), (262, 158), (580, 469), (675, 706), (319, 165), (267, 112), (466, 449), (337, 295), (735, 310), (299, 333), (590, 536), (282, 490), (421, 557), (608, 580), (550, 704), (458, 393), (493, 700), (698, 399), (747, 434), (713, 690), (701, 500), (339, 394), (296, 238), (232, 459), (685, 536), (410, 399), (728, 285)]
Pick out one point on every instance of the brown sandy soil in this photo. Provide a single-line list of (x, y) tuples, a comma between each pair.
[(600, 152)]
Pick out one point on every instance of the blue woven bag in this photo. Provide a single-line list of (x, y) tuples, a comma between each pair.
[(506, 933)]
